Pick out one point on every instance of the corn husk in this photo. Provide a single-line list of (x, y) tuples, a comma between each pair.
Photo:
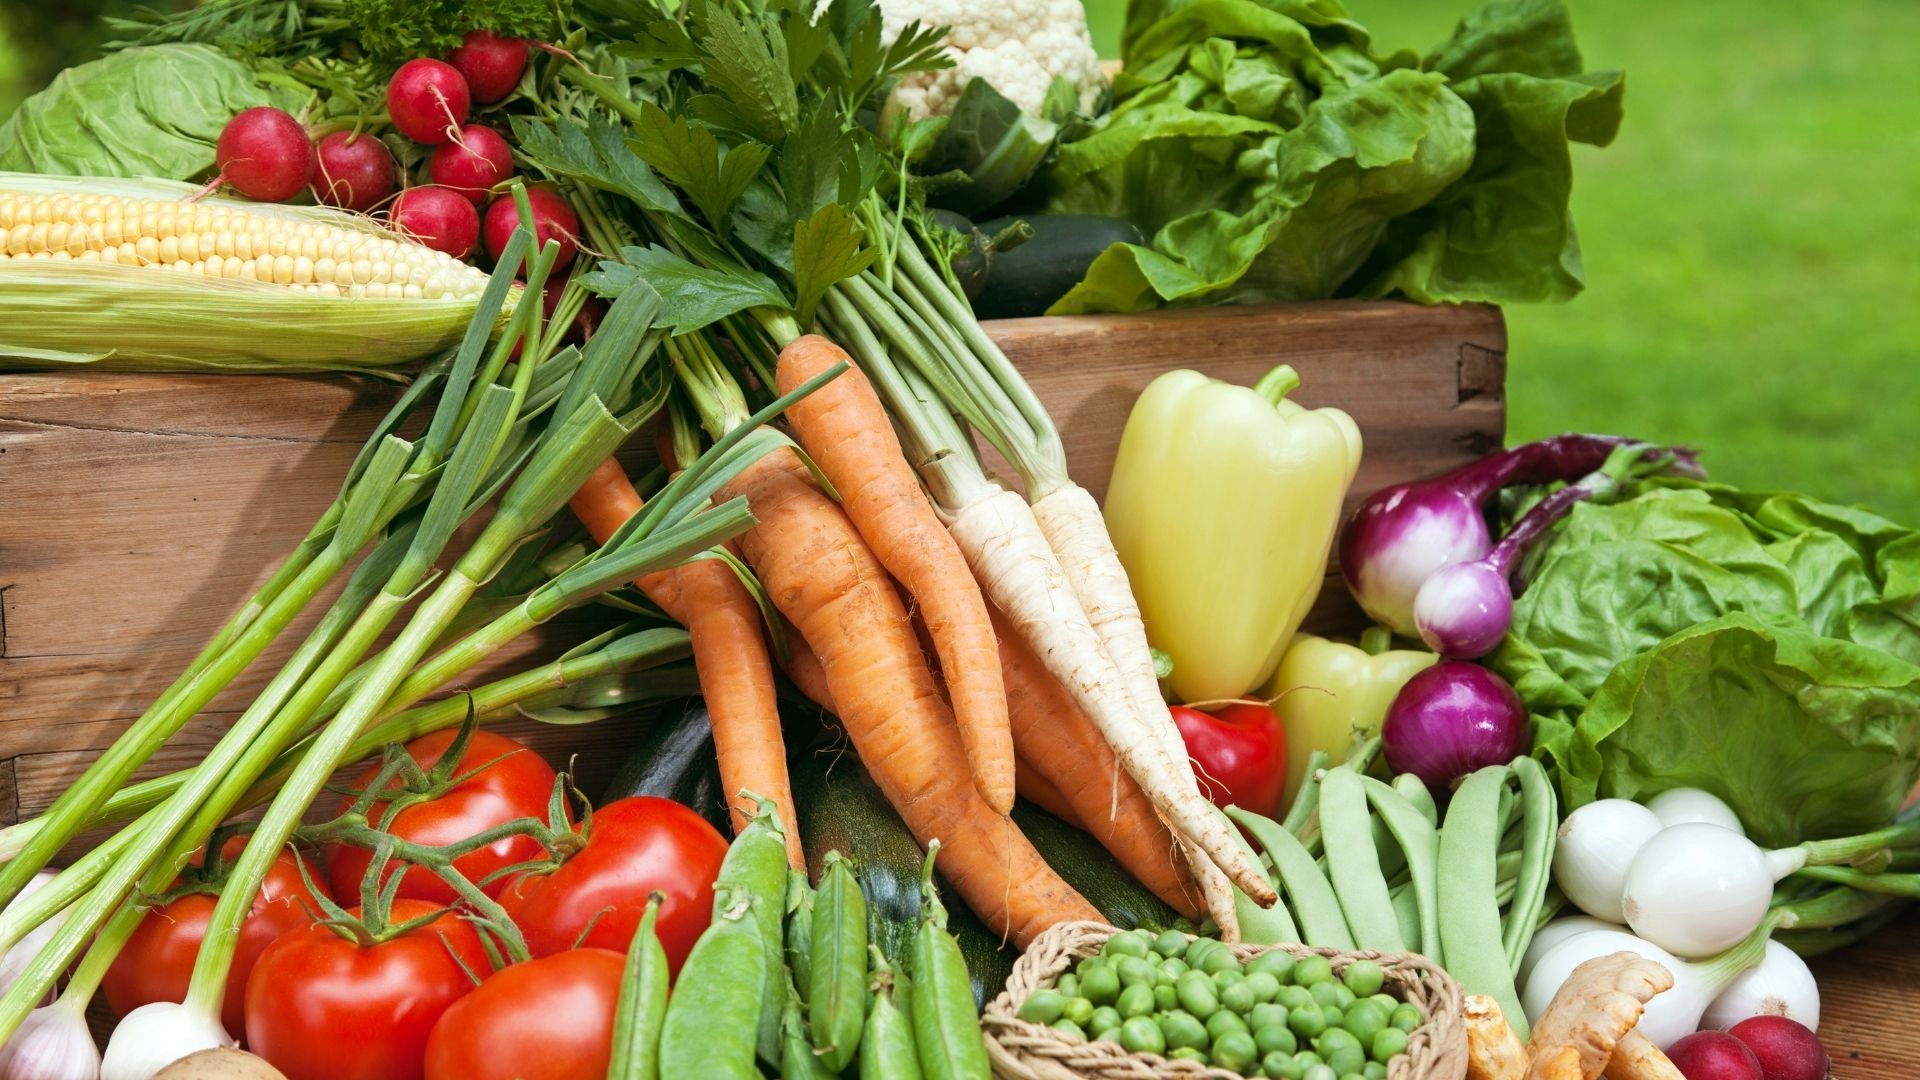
[(59, 313)]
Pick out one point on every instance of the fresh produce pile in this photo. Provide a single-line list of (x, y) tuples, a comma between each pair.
[(1594, 673)]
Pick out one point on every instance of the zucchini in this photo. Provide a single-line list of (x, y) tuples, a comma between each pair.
[(1028, 278), (674, 760), (1077, 857)]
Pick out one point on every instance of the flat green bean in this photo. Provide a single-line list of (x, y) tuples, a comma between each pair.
[(1542, 818), (1469, 914), (1416, 792), (1421, 844), (1308, 796), (837, 996), (1314, 903), (1406, 912), (643, 1003), (1353, 864), (1258, 925)]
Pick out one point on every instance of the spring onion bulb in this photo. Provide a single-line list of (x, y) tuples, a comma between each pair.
[(1555, 932), (1597, 844), (1696, 889), (1681, 806), (1670, 1016), (152, 1037), (1780, 985), (52, 1043)]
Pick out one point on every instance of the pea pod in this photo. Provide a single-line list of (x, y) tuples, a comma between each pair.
[(797, 1059), (1321, 921), (1469, 913), (1542, 825), (886, 1046), (1258, 925), (643, 1003), (712, 1024), (1421, 844), (837, 994), (800, 929), (946, 1029), (756, 864), (1353, 863)]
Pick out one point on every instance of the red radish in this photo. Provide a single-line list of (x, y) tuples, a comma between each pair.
[(553, 219), (428, 101), (491, 64), (1714, 1055), (441, 219), (1785, 1049), (472, 164), (355, 171), (264, 154)]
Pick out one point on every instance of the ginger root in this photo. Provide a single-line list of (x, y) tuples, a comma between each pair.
[(1595, 1008), (1636, 1058), (1493, 1050), (1561, 1063)]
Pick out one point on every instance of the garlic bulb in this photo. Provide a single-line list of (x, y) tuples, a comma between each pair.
[(154, 1036), (52, 1043)]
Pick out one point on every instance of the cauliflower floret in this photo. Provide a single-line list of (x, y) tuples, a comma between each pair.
[(1018, 46)]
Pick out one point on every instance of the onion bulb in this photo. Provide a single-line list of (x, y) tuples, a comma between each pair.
[(1597, 844), (1780, 986)]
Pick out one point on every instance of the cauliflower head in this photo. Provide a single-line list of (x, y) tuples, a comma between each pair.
[(1018, 46)]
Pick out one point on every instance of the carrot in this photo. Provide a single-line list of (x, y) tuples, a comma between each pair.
[(847, 432), (1039, 791), (820, 574), (736, 676), (1062, 746), (804, 669)]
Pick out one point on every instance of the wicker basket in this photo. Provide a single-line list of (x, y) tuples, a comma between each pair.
[(1026, 1051)]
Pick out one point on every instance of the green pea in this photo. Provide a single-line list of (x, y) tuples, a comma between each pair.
[(1306, 1059), (1079, 1010), (1293, 997), (1142, 1036), (1197, 995), (1235, 1051), (1219, 960), (1346, 1059), (1325, 995), (1104, 1018), (1406, 1017), (1264, 985), (1282, 1067), (1312, 969), (1100, 986), (1068, 1027), (1387, 1003), (1091, 963), (1267, 1014), (1353, 1076), (1187, 1053), (1130, 943), (1135, 1000), (1307, 1021), (1364, 1020), (1068, 985), (1224, 979), (1183, 1029), (1237, 996), (1275, 1037), (1170, 943), (1165, 998), (1364, 978), (1388, 1044), (1374, 1071), (1042, 1007), (1335, 1039), (1133, 969), (1275, 962), (1333, 1017), (1343, 997), (1111, 1035), (1199, 949), (1173, 966), (1320, 1072), (1222, 1022)]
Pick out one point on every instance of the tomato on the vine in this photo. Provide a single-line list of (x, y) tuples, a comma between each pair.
[(321, 1006), (156, 964), (495, 781), (634, 847), (547, 1019)]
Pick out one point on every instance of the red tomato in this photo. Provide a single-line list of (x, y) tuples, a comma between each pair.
[(634, 847), (498, 780), (323, 1007), (157, 962), (546, 1019), (1239, 754)]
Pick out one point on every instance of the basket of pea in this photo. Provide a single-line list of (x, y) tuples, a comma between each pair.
[(1090, 1002)]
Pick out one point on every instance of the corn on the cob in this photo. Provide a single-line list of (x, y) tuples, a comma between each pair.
[(214, 282)]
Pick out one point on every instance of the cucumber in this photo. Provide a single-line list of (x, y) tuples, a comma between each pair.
[(1027, 279), (674, 760)]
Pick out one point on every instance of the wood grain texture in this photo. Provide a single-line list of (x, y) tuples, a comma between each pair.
[(136, 511), (1870, 1004)]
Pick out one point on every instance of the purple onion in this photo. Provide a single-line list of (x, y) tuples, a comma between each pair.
[(1464, 610), (1452, 719)]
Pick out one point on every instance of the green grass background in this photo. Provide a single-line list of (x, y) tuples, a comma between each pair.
[(1752, 240)]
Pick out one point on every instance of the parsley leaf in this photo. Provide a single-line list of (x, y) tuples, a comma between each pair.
[(394, 31), (595, 152), (747, 67), (695, 296), (827, 247), (689, 156)]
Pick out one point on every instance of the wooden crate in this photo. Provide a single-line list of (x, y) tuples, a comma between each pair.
[(137, 511)]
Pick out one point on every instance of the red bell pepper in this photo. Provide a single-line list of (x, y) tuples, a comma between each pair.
[(1239, 754)]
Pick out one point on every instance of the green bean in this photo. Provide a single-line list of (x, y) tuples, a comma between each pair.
[(1258, 925), (797, 1059), (1354, 864), (643, 1002), (1406, 914), (800, 929), (1308, 796), (1469, 914), (946, 1029), (837, 993), (1542, 817), (1321, 920), (886, 1046), (712, 1023), (1417, 838), (1417, 794), (756, 864)]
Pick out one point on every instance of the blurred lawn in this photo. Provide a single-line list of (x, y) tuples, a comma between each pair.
[(1752, 241)]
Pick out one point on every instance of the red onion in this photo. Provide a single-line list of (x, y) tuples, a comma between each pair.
[(1452, 719)]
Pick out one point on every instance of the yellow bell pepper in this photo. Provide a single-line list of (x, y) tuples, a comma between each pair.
[(1330, 695), (1223, 506)]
